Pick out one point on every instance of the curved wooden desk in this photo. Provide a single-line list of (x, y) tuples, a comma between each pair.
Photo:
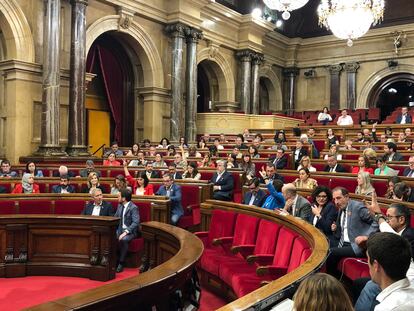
[(83, 246), (175, 252)]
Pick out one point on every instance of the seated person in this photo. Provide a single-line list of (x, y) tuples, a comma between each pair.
[(345, 119), (403, 192), (27, 185), (119, 184), (255, 195), (324, 117), (391, 154), (32, 169), (296, 205), (173, 192), (128, 228), (114, 149), (364, 184), (191, 172), (139, 161), (299, 152), (223, 183), (140, 185), (383, 169), (363, 166), (304, 180), (404, 117), (306, 163), (280, 160), (97, 207), (63, 171), (64, 186), (275, 198), (333, 166), (90, 167), (92, 183), (149, 171), (111, 161), (172, 170), (409, 171), (6, 171), (269, 174)]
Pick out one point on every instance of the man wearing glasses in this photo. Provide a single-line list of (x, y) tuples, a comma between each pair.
[(409, 171), (255, 195), (223, 183), (396, 221)]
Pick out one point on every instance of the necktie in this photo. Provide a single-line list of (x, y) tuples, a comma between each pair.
[(343, 218), (410, 174), (374, 304)]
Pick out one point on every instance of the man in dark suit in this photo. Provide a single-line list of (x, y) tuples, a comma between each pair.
[(64, 186), (89, 168), (299, 152), (409, 171), (63, 171), (173, 192), (97, 207), (223, 183), (128, 227), (354, 220), (280, 160), (333, 166), (269, 174), (172, 170), (396, 221), (149, 170), (296, 205), (391, 154), (404, 117), (255, 195)]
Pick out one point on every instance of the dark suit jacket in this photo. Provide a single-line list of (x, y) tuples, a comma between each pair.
[(408, 118), (106, 209), (339, 168), (408, 234), (258, 200), (329, 214), (178, 175), (397, 157), (407, 171), (302, 152), (360, 222), (175, 198), (58, 189), (226, 182), (279, 163), (155, 174), (131, 219)]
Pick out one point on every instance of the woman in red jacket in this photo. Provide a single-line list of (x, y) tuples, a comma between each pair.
[(27, 185), (140, 185), (363, 166)]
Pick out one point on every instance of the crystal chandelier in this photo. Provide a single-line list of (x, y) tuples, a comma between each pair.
[(285, 6), (350, 19)]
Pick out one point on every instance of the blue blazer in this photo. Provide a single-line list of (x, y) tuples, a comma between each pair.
[(226, 182), (131, 219), (408, 118), (258, 200), (175, 198), (275, 199), (106, 209), (360, 222), (58, 189)]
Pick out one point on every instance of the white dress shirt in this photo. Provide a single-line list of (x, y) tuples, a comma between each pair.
[(123, 216), (399, 296), (345, 120), (96, 210)]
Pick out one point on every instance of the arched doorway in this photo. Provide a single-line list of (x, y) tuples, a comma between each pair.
[(208, 88), (393, 91), (264, 106), (110, 96)]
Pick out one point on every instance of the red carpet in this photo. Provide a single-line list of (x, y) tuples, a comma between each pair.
[(210, 301), (19, 293)]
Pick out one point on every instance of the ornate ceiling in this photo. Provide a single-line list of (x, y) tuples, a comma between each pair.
[(304, 21)]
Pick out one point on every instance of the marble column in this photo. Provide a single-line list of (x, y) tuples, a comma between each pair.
[(257, 60), (351, 70), (335, 86), (177, 32), (77, 87), (50, 131), (193, 36), (245, 57), (290, 75)]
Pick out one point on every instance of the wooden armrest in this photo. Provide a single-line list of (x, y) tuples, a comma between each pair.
[(274, 271), (222, 240), (245, 250), (201, 234), (261, 260)]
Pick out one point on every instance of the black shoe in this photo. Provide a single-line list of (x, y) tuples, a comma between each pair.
[(143, 267), (120, 268)]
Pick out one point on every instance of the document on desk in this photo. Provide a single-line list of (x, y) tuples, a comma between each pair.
[(285, 305)]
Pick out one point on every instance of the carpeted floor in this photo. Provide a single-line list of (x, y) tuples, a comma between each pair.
[(20, 293)]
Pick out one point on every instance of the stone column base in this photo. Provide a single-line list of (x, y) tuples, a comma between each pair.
[(50, 151), (78, 151), (226, 106)]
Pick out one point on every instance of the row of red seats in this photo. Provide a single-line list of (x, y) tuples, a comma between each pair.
[(244, 251)]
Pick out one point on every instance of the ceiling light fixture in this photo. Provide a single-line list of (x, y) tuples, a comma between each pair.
[(285, 6), (350, 19)]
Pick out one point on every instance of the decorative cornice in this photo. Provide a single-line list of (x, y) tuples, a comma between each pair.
[(257, 58), (245, 55), (351, 67), (176, 30), (290, 72)]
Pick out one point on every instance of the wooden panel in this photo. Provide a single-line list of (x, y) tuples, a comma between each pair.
[(99, 129)]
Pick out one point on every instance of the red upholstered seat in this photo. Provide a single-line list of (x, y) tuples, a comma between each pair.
[(354, 268), (191, 204), (69, 207), (267, 235), (348, 183), (244, 234), (35, 207), (300, 252), (144, 209), (243, 283), (7, 207), (156, 187)]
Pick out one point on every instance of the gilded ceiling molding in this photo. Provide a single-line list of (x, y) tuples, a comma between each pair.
[(20, 32)]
